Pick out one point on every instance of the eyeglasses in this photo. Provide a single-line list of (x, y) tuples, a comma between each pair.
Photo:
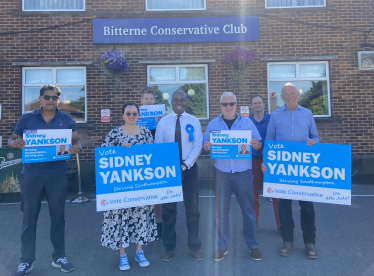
[(289, 95), (54, 98), (128, 114), (226, 104), (179, 101)]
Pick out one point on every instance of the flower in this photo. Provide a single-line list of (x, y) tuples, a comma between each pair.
[(115, 64)]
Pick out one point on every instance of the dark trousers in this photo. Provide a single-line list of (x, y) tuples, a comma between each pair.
[(32, 192), (190, 188), (307, 219), (258, 177), (241, 184)]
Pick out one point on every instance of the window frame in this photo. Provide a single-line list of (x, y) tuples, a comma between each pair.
[(297, 78), (177, 81), (293, 7), (54, 81), (84, 8), (195, 9)]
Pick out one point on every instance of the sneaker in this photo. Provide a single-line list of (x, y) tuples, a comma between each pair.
[(219, 254), (167, 255), (140, 258), (124, 263), (63, 264), (286, 248), (311, 251), (23, 269), (197, 255), (256, 254)]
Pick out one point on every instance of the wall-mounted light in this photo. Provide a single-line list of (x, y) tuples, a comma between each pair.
[(367, 45)]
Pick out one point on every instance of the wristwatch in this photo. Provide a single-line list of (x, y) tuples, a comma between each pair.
[(183, 167)]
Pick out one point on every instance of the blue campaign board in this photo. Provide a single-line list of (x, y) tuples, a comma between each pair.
[(229, 152), (137, 176), (44, 145), (149, 122), (318, 173)]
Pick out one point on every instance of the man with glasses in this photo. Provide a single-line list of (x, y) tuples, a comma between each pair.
[(184, 129), (233, 175), (294, 123), (44, 177)]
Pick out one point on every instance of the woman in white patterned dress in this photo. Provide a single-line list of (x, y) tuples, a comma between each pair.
[(130, 225)]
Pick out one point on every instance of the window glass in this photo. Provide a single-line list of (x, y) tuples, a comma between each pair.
[(294, 3), (162, 74), (197, 91), (312, 70), (191, 73), (314, 92), (284, 71), (53, 5), (39, 76), (175, 5), (70, 76), (69, 80)]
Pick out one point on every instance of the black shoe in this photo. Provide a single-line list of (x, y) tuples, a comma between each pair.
[(63, 264), (23, 269), (256, 254), (159, 230), (197, 255), (219, 254), (167, 255), (286, 249), (311, 251)]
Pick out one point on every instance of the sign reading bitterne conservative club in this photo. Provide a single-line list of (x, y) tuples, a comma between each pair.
[(231, 144), (174, 30), (137, 176), (319, 173), (43, 145)]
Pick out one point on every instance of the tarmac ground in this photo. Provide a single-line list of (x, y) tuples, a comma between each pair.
[(345, 241)]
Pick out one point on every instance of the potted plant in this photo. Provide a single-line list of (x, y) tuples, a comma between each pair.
[(115, 64)]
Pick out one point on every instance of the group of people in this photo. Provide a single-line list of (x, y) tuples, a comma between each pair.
[(144, 224)]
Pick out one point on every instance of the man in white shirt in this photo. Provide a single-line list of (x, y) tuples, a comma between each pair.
[(184, 129)]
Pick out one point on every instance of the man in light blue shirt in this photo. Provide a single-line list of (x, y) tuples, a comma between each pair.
[(294, 123), (233, 175)]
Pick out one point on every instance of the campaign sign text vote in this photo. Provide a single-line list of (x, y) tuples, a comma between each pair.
[(149, 115), (319, 173), (230, 144), (43, 145), (137, 176)]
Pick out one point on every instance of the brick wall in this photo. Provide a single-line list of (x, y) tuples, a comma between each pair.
[(351, 89)]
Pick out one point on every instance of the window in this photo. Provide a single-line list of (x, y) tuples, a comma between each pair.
[(294, 3), (193, 79), (53, 5), (310, 78), (366, 60), (71, 81), (161, 5)]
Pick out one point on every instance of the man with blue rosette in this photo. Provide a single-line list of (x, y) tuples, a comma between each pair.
[(44, 178), (184, 129)]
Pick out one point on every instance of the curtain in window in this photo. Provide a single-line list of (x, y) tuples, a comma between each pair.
[(294, 3), (53, 5), (174, 4)]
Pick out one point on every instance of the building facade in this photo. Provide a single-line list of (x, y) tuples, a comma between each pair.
[(314, 44)]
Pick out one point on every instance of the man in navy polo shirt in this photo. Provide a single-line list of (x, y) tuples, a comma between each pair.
[(261, 120), (44, 177)]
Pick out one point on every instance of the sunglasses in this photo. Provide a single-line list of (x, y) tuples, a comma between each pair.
[(128, 114), (54, 98), (226, 104)]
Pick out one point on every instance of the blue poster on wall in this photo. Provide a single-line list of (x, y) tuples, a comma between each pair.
[(137, 176), (175, 30), (319, 173)]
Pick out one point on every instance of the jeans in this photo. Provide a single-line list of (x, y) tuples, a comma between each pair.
[(190, 186), (241, 184), (307, 219), (32, 192)]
